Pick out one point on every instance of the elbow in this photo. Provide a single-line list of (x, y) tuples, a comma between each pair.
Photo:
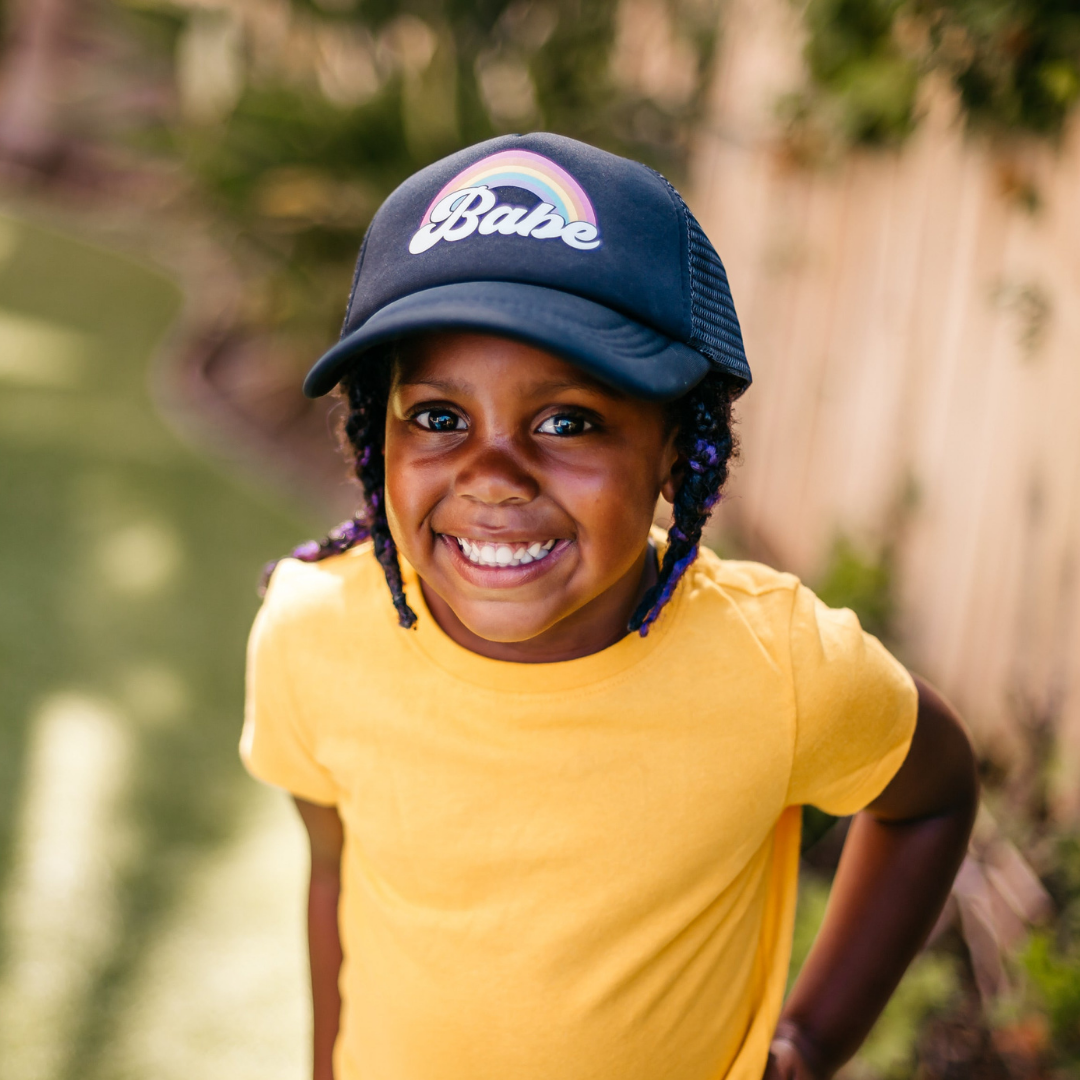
[(971, 788), (939, 780), (963, 787), (959, 789)]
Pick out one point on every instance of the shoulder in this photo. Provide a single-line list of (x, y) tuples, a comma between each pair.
[(308, 596), (774, 602), (740, 579), (739, 607), (755, 590)]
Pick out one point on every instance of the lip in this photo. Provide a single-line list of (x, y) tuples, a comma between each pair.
[(502, 577)]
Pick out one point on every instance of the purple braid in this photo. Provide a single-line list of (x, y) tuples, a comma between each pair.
[(707, 443), (366, 387)]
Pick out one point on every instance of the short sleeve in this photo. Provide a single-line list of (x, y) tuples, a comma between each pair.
[(276, 745), (855, 710)]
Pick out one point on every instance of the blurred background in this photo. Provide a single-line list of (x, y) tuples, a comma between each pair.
[(893, 185)]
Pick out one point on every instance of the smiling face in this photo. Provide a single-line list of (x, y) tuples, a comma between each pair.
[(522, 491)]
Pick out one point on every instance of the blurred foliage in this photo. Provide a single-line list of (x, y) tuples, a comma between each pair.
[(809, 914), (864, 583), (929, 987), (815, 824), (853, 55), (294, 119), (1015, 65), (1055, 979), (1051, 960)]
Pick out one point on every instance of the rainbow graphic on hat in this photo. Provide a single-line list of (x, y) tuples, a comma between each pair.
[(523, 169)]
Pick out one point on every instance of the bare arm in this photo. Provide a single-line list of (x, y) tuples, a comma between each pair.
[(325, 837), (894, 877)]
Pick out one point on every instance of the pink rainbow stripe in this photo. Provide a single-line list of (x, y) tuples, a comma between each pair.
[(531, 172)]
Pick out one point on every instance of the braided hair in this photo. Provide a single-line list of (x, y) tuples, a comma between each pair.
[(366, 388), (705, 441)]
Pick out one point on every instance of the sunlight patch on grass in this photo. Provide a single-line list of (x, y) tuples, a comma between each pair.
[(36, 353), (141, 558), (223, 992), (59, 914)]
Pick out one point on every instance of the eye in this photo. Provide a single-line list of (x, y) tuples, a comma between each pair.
[(440, 420), (565, 424)]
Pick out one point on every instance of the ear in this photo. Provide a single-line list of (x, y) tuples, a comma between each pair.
[(676, 469), (671, 485)]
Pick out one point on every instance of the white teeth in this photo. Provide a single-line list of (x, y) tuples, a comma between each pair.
[(502, 555)]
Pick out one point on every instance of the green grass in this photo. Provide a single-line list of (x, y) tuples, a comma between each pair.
[(127, 579)]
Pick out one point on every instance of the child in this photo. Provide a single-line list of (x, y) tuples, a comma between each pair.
[(552, 782)]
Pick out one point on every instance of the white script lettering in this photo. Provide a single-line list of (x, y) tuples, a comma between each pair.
[(456, 217), (474, 209)]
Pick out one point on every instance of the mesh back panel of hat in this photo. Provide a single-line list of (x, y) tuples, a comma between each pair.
[(715, 326), (712, 311)]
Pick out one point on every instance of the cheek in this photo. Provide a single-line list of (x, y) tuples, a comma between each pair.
[(411, 489), (615, 493)]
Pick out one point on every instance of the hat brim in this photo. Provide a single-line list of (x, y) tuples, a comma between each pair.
[(616, 350)]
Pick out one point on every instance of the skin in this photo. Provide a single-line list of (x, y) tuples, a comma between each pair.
[(500, 442), (326, 838), (500, 473)]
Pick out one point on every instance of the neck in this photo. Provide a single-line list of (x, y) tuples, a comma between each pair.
[(594, 627)]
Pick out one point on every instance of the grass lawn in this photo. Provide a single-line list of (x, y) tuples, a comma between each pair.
[(150, 891)]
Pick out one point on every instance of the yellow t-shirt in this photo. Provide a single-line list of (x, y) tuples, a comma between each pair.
[(583, 870)]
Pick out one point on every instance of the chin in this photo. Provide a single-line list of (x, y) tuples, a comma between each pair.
[(494, 626)]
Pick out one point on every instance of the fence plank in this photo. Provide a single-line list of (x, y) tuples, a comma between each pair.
[(911, 326)]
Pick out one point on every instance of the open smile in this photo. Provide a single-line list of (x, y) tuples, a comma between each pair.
[(521, 553), (490, 562)]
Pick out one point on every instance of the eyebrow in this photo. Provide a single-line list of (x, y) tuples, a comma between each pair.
[(451, 386), (447, 385), (584, 383)]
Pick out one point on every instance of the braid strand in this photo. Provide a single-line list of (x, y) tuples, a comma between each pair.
[(707, 444), (366, 387)]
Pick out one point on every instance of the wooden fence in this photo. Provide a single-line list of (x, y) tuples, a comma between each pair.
[(912, 319)]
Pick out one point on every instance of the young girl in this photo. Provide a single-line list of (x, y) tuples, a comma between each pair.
[(552, 778)]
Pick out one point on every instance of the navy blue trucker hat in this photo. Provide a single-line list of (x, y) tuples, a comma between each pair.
[(552, 242)]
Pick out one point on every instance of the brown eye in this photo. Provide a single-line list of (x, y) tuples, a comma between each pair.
[(440, 420), (564, 425)]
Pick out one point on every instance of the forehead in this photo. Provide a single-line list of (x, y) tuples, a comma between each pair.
[(471, 361)]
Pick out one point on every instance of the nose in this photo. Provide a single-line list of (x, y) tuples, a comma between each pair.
[(495, 475)]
